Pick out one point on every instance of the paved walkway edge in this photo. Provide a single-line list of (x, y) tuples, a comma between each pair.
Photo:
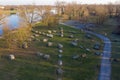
[(105, 67)]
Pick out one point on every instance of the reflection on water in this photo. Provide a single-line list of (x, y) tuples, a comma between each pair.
[(12, 22), (1, 30)]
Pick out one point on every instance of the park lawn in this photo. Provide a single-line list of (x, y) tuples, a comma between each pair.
[(108, 27), (116, 55), (28, 66)]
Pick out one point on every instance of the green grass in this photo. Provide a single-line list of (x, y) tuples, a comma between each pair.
[(115, 54), (108, 27), (28, 66)]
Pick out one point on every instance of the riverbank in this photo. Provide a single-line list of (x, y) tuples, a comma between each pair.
[(6, 13), (1, 20)]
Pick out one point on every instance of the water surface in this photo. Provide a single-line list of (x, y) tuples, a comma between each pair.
[(12, 22)]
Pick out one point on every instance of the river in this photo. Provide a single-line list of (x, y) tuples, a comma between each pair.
[(14, 20), (11, 21)]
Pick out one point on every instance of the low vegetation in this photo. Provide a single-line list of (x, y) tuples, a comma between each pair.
[(103, 29), (29, 66)]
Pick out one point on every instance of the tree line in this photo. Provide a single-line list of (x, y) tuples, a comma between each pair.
[(73, 11), (48, 15)]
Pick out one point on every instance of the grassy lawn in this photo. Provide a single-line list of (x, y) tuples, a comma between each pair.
[(29, 66), (108, 27), (116, 55)]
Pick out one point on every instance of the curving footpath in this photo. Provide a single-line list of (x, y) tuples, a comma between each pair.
[(105, 67)]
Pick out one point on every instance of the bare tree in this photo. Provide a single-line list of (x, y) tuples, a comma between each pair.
[(117, 10), (27, 13), (49, 18), (83, 13), (110, 7), (101, 13), (72, 10), (60, 5)]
